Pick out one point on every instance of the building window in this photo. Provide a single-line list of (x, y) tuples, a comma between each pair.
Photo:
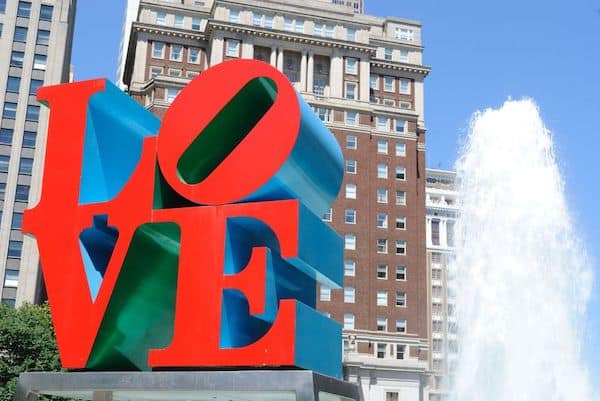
[(324, 30), (325, 293), (171, 94), (401, 173), (381, 350), (405, 34), (6, 136), (401, 273), (382, 146), (194, 55), (179, 21), (34, 85), (382, 170), (383, 123), (348, 321), (22, 193), (389, 102), (400, 351), (232, 48), (11, 278), (382, 298), (323, 113), (388, 84), (436, 274), (351, 66), (350, 34), (436, 291), (382, 195), (349, 268), (400, 148), (350, 242), (176, 53), (382, 245), (328, 215), (400, 222), (16, 59), (14, 249), (404, 55), (382, 271), (29, 138), (351, 118), (4, 160), (382, 220), (24, 9), (435, 232), (161, 18), (2, 192), (349, 295), (234, 16), (351, 142), (33, 113), (400, 125), (387, 54), (400, 247), (374, 81), (2, 6), (17, 221), (351, 166), (155, 71), (196, 24), (20, 34), (405, 86), (350, 216), (262, 20), (46, 12), (351, 90), (39, 62), (400, 298), (10, 110), (158, 50), (401, 326), (175, 72), (436, 257), (381, 323), (43, 38), (26, 166), (350, 191), (13, 84), (191, 74), (405, 105), (400, 198)]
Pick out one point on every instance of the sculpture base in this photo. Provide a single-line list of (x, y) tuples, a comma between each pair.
[(235, 385)]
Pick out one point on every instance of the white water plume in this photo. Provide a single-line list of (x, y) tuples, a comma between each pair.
[(522, 276)]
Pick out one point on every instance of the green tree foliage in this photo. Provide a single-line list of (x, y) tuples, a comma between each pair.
[(27, 343)]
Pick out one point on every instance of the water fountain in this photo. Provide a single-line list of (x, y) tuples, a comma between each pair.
[(522, 277)]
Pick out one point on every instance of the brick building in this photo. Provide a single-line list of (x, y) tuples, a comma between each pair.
[(363, 75)]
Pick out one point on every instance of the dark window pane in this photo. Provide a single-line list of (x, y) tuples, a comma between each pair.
[(35, 84), (24, 9), (26, 166), (16, 59), (2, 191), (17, 221), (22, 193), (33, 113), (14, 249), (6, 136), (43, 38), (10, 110), (46, 12), (2, 6), (9, 302), (4, 160), (29, 139), (20, 34), (13, 84)]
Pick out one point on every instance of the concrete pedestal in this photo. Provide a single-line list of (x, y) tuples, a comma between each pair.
[(245, 385)]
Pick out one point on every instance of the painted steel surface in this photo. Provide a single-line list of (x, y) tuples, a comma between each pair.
[(195, 241)]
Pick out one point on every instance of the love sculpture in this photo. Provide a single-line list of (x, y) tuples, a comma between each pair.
[(195, 242)]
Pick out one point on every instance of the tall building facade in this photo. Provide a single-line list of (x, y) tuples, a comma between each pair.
[(442, 212), (35, 39), (363, 75)]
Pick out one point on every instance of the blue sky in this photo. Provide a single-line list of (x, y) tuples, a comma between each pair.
[(482, 53)]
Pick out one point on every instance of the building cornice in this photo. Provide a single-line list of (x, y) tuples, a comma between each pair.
[(404, 67), (289, 37), (167, 31)]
